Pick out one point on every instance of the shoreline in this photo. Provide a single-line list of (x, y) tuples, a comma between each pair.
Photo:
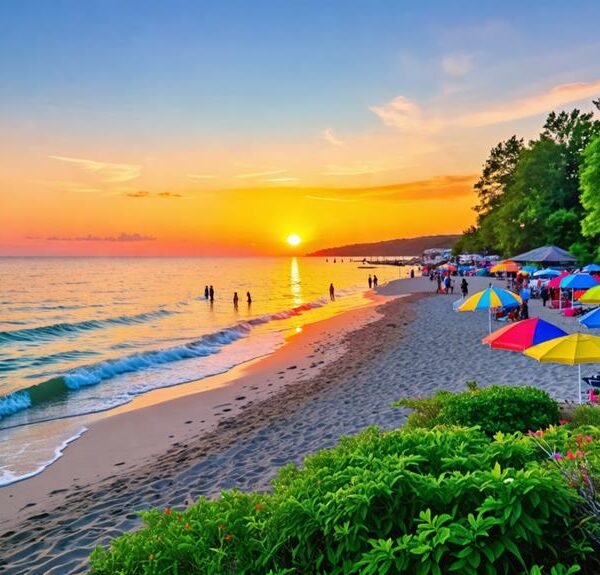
[(176, 414)]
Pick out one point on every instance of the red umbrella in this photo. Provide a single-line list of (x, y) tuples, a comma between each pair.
[(523, 334), (555, 282)]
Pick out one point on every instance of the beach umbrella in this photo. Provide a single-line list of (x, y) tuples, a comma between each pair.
[(489, 299), (591, 296), (573, 349), (546, 273), (481, 272), (591, 319), (555, 282), (523, 334), (447, 268), (578, 281), (592, 268), (529, 269), (506, 266)]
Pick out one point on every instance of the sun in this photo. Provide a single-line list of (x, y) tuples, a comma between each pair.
[(294, 239)]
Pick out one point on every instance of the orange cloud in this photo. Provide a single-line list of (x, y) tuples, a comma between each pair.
[(556, 97)]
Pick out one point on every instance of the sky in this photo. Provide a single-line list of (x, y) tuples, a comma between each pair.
[(220, 128)]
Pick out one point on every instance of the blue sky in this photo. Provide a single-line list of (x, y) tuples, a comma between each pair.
[(262, 68)]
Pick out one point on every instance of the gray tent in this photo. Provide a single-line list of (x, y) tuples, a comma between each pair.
[(546, 255)]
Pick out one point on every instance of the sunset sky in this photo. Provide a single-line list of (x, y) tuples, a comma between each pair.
[(220, 128)]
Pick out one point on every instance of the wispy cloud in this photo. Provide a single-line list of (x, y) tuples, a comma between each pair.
[(201, 176), (169, 195), (328, 136), (288, 180), (556, 97), (138, 194), (145, 194), (108, 171), (407, 115), (357, 170), (123, 237), (457, 65), (261, 174)]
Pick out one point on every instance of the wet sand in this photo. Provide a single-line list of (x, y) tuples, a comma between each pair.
[(170, 453)]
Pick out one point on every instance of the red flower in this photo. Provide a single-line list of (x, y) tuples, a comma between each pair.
[(168, 511), (563, 421), (258, 507)]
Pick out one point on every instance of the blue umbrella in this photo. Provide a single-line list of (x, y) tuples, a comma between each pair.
[(481, 272), (591, 319), (546, 273), (591, 268), (529, 269), (578, 281)]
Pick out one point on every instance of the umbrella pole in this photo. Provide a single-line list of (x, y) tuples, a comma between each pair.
[(579, 370), (489, 320)]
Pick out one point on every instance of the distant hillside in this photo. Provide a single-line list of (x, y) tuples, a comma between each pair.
[(401, 247)]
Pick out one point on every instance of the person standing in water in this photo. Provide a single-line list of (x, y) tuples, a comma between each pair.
[(205, 292), (236, 299), (248, 298), (375, 280), (331, 292), (370, 281), (211, 293)]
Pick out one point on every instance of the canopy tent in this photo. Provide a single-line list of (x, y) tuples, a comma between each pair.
[(546, 255)]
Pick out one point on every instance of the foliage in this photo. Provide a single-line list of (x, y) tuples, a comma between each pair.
[(494, 409), (586, 415), (590, 189), (447, 500), (540, 193)]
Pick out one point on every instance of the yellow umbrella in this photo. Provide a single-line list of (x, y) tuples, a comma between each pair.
[(591, 296), (573, 349), (507, 266)]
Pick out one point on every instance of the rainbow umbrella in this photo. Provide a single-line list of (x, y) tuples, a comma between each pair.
[(573, 349), (591, 319), (489, 299), (523, 334), (591, 296)]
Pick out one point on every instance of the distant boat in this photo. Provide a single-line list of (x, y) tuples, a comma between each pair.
[(367, 267)]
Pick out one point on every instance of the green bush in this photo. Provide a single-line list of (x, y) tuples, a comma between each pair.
[(494, 409), (448, 500), (586, 415)]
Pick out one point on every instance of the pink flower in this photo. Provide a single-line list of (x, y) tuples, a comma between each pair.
[(556, 456)]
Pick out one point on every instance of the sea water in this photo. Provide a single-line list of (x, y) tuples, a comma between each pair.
[(85, 335)]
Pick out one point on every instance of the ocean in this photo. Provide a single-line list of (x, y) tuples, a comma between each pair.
[(79, 336)]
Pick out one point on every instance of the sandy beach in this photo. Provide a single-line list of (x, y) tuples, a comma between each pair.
[(335, 378)]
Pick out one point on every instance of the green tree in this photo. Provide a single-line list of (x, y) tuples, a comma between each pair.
[(590, 189)]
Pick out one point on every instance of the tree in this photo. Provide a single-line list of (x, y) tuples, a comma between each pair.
[(497, 173), (590, 189)]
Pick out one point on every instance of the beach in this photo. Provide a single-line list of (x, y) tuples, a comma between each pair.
[(335, 378)]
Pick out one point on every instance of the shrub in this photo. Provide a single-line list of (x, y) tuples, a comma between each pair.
[(410, 501), (586, 415), (494, 409)]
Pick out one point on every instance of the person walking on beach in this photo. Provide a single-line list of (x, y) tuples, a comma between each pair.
[(439, 284), (464, 288), (248, 298), (236, 300), (412, 274), (211, 293), (331, 292), (205, 292), (370, 281), (375, 280), (447, 283), (544, 295)]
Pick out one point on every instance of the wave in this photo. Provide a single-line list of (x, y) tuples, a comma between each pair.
[(46, 332), (58, 387), (7, 477)]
